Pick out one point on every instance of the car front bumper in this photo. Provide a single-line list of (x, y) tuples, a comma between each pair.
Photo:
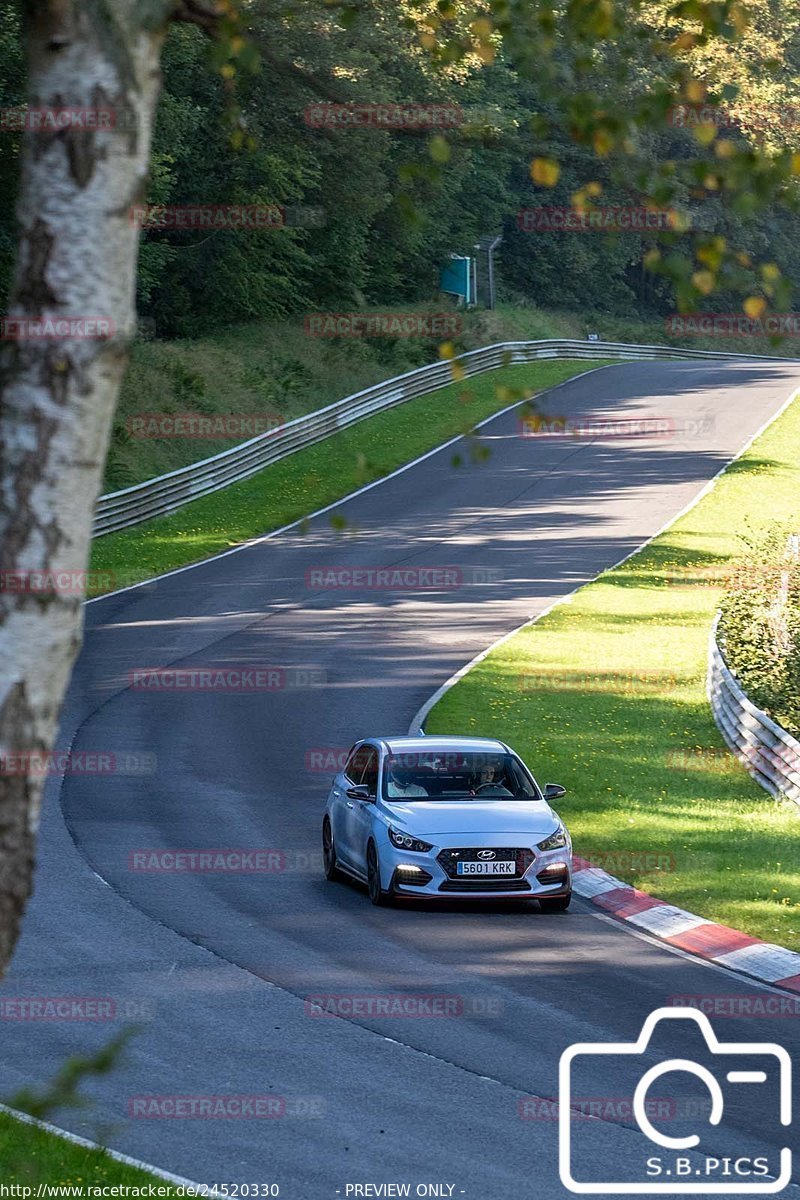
[(538, 874)]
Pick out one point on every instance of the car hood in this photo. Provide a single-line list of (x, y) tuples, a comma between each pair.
[(496, 817)]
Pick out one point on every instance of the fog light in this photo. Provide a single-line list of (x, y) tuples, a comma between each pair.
[(553, 873), (412, 875)]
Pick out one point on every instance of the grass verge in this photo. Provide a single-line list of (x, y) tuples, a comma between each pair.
[(606, 695), (318, 476), (32, 1156), (271, 370)]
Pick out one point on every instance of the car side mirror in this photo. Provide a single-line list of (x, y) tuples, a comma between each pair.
[(552, 791), (359, 792)]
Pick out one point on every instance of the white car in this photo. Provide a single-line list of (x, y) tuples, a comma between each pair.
[(446, 818)]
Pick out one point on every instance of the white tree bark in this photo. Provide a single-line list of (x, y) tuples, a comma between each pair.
[(77, 258)]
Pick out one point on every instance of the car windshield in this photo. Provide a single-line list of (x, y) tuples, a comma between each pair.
[(456, 775)]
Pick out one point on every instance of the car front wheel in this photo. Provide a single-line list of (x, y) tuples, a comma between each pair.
[(332, 872), (555, 903), (376, 893)]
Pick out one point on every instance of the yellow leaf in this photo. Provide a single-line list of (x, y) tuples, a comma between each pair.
[(228, 71), (704, 281), (725, 148), (710, 255), (427, 41), (711, 183), (439, 149), (447, 350), (602, 142), (695, 91), (545, 172), (679, 221), (651, 258), (796, 164), (594, 188), (705, 132), (486, 52), (770, 272), (755, 307), (684, 41), (457, 371), (482, 28)]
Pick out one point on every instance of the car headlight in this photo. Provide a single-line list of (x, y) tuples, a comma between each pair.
[(556, 841), (404, 841)]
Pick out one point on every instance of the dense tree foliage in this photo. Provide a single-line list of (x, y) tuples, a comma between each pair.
[(372, 214)]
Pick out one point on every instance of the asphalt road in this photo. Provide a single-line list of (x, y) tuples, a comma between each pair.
[(217, 966)]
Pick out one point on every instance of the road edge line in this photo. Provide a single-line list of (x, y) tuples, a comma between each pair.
[(86, 1143), (717, 942)]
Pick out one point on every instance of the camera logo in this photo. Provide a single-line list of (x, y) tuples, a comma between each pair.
[(681, 1168)]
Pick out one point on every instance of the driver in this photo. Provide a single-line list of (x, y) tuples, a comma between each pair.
[(401, 783), (490, 779)]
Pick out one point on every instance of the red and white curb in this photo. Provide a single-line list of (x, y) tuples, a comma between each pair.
[(717, 943)]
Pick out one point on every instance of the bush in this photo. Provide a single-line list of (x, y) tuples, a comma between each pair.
[(759, 630)]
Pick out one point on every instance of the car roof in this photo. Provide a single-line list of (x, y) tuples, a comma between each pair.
[(422, 744)]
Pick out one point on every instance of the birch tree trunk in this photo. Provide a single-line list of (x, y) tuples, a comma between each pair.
[(77, 259)]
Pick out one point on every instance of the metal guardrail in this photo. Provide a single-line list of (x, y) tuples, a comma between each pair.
[(769, 753), (166, 493)]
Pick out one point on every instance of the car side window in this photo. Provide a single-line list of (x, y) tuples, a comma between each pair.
[(354, 767), (370, 776)]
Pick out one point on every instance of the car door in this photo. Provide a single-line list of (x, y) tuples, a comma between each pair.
[(361, 816), (342, 806)]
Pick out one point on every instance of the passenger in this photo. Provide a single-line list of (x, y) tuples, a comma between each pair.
[(401, 784)]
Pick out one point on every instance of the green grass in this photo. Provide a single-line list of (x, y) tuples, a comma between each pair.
[(30, 1156), (318, 476), (266, 368), (272, 367), (606, 696)]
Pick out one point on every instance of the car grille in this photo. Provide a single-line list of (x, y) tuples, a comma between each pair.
[(448, 859)]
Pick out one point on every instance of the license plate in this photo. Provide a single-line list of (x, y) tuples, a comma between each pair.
[(486, 868)]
